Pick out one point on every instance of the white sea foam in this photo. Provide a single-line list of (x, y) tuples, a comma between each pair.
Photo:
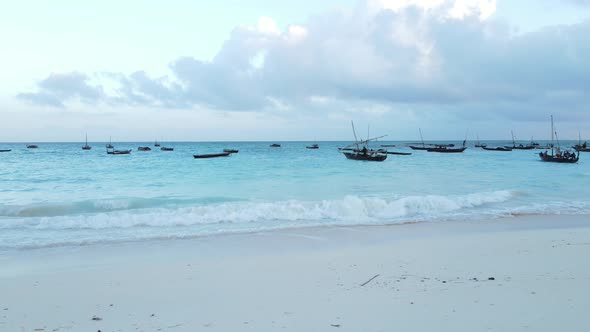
[(348, 210)]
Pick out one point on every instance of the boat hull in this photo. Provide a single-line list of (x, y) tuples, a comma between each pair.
[(554, 159), (211, 155), (499, 148), (446, 150), (5, 150), (365, 157)]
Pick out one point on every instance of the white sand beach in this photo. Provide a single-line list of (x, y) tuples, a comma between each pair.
[(517, 274)]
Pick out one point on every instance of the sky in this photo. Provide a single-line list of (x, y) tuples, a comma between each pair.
[(293, 70)]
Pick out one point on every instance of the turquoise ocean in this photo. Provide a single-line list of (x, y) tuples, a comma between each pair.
[(61, 195)]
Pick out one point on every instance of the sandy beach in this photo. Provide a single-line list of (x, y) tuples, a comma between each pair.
[(516, 274)]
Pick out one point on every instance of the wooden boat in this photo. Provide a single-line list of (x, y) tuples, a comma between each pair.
[(478, 144), (519, 146), (32, 146), (387, 145), (313, 146), (86, 146), (447, 148), (368, 155), (211, 155), (581, 147), (274, 145), (356, 152), (166, 149), (399, 153), (110, 145), (7, 150), (144, 148), (231, 150), (116, 152), (497, 148), (557, 156), (156, 144)]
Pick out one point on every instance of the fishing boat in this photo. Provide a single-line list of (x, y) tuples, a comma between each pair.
[(166, 149), (110, 145), (448, 148), (32, 146), (86, 146), (116, 152), (275, 145), (211, 155), (519, 146), (6, 150), (387, 145), (144, 148), (581, 147), (156, 144), (558, 156), (416, 147), (231, 150), (478, 144), (497, 148), (313, 146), (359, 150), (399, 153)]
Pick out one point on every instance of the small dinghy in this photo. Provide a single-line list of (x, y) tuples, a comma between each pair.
[(144, 148), (166, 149), (32, 146), (231, 150), (275, 145), (8, 150)]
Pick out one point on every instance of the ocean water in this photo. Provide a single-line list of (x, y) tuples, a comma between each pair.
[(61, 195)]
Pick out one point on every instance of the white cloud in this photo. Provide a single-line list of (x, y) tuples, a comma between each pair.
[(385, 55)]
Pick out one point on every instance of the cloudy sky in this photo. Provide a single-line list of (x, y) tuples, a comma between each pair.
[(293, 69)]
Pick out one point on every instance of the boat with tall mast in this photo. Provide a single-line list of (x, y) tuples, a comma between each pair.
[(581, 147), (557, 156), (359, 150), (86, 146), (110, 145), (478, 144), (520, 146), (416, 147)]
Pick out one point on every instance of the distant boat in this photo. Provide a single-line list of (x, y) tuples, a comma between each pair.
[(557, 156), (359, 150), (387, 145), (581, 147), (478, 144), (144, 148), (231, 150), (313, 146), (86, 146), (444, 148), (156, 144), (275, 145), (166, 149), (113, 151), (32, 146), (8, 150), (519, 146), (423, 147), (110, 145), (211, 155), (498, 148), (399, 153)]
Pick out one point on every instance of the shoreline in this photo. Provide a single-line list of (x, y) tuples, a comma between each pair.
[(540, 220), (417, 277)]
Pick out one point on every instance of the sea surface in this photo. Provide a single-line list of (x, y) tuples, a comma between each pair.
[(61, 195)]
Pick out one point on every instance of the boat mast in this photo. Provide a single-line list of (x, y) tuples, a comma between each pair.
[(354, 133), (513, 141), (552, 133), (421, 138)]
